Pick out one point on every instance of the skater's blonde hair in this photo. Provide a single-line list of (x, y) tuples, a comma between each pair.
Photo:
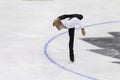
[(57, 22)]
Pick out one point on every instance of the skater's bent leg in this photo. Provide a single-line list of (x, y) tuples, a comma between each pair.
[(71, 43)]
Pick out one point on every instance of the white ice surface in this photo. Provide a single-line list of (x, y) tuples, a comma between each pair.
[(25, 27)]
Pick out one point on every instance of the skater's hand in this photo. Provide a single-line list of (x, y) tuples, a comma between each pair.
[(83, 32)]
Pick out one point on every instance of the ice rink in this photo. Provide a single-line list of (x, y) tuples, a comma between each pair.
[(32, 49)]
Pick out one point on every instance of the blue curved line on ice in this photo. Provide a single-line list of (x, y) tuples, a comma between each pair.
[(59, 65)]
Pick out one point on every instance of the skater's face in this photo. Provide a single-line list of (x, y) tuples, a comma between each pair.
[(58, 24), (59, 27)]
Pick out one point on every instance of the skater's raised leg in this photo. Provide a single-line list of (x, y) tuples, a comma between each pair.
[(71, 43)]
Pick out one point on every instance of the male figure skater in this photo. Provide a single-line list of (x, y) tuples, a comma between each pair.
[(70, 21)]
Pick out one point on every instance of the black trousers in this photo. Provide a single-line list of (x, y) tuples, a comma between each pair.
[(71, 40)]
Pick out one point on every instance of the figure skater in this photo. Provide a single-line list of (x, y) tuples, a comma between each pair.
[(70, 22)]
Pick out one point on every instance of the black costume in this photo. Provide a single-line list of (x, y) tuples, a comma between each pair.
[(71, 32)]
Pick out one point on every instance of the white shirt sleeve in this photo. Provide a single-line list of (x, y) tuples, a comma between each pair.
[(74, 22)]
